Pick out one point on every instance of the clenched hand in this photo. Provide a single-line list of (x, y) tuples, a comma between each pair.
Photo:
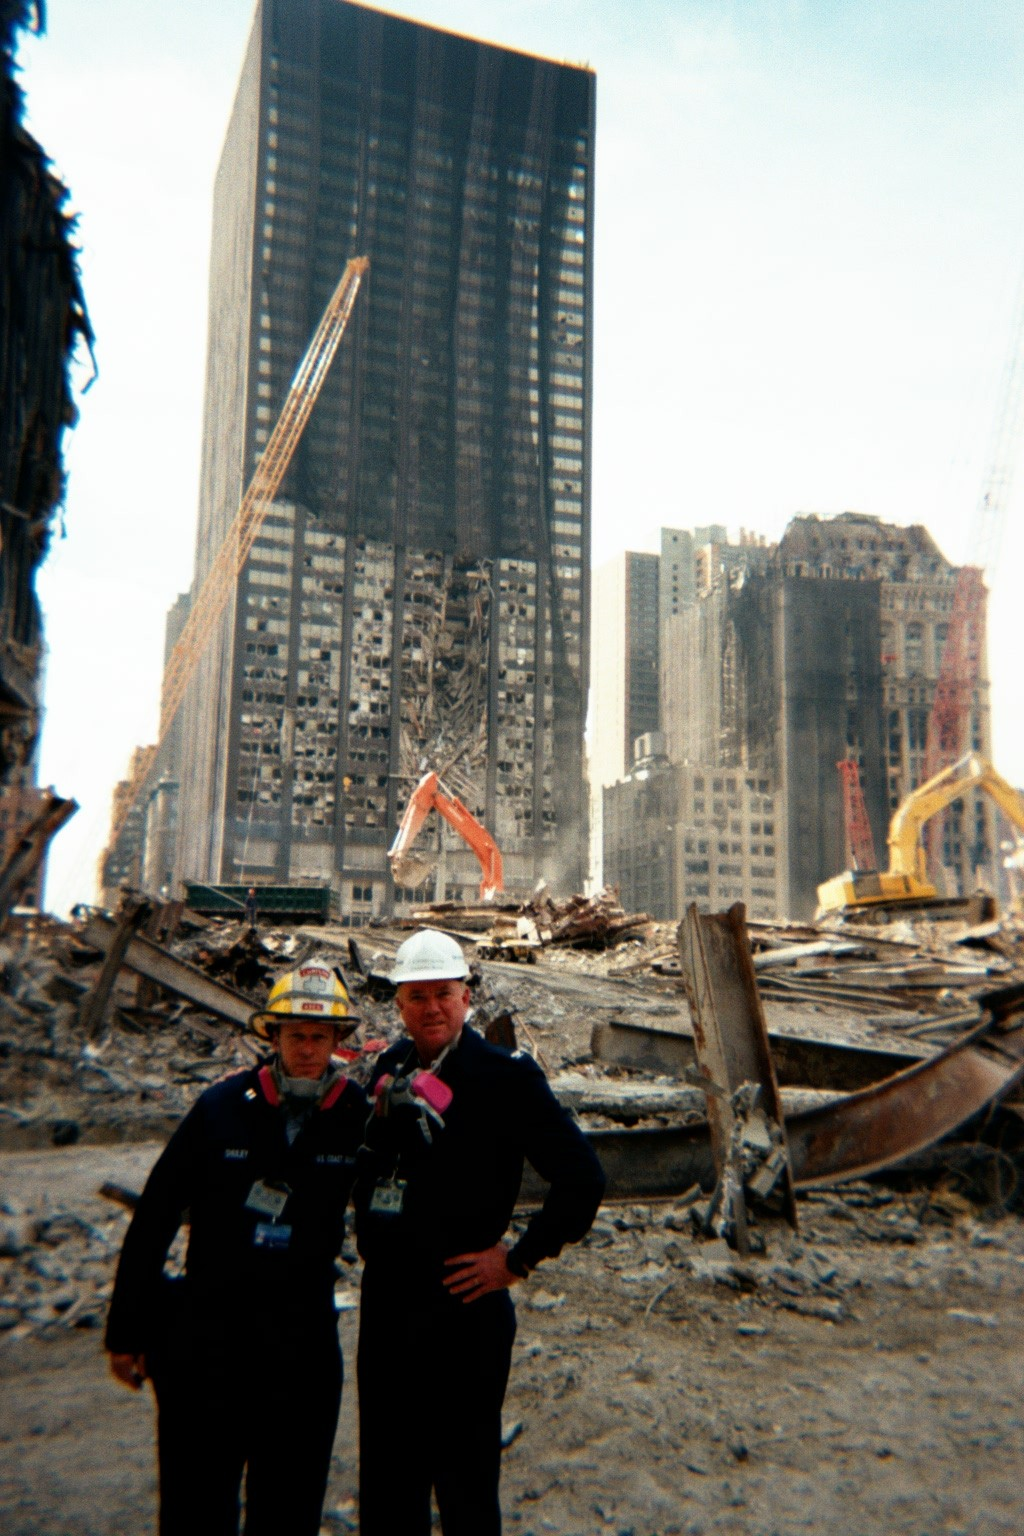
[(131, 1369)]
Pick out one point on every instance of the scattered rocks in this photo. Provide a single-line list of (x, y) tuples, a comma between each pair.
[(982, 1319), (544, 1301), (60, 1273)]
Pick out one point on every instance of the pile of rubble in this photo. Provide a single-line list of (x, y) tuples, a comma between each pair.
[(110, 1027), (518, 930), (58, 1255), (874, 1047), (93, 1050)]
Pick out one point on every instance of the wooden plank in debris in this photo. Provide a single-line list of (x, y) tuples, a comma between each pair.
[(146, 958), (789, 954)]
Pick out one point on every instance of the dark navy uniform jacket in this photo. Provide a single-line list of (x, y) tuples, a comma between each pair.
[(461, 1188), (233, 1136)]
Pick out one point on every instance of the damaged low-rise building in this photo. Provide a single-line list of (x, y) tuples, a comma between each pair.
[(676, 833)]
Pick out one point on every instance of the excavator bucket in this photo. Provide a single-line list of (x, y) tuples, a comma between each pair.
[(410, 869), (429, 795)]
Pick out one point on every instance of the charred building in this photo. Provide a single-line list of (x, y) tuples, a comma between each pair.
[(832, 651), (42, 317), (417, 597)]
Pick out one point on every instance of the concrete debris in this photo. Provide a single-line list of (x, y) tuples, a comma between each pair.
[(818, 1274), (516, 932), (59, 1253), (60, 1269)]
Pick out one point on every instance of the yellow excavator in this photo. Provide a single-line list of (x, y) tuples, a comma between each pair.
[(906, 880)]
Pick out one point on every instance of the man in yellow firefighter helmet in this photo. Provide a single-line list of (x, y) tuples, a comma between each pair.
[(245, 1360)]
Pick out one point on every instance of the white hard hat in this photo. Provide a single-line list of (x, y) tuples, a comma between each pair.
[(429, 956)]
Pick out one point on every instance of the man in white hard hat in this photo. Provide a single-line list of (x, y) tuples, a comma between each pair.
[(245, 1363), (437, 1183)]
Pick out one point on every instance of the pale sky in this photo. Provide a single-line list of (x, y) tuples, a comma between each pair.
[(810, 230)]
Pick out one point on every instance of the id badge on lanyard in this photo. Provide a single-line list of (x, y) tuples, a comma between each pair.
[(268, 1199), (388, 1197), (271, 1234)]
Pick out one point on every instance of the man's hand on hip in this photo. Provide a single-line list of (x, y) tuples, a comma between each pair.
[(131, 1369), (477, 1274)]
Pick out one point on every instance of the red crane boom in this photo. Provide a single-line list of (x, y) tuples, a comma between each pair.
[(860, 845), (213, 595)]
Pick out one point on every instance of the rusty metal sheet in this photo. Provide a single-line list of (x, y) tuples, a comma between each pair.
[(148, 959)]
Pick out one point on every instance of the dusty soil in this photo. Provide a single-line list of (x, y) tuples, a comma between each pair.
[(865, 1378)]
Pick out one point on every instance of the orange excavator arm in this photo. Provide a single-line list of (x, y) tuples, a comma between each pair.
[(430, 796)]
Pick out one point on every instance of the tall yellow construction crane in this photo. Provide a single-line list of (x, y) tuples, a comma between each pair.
[(238, 541)]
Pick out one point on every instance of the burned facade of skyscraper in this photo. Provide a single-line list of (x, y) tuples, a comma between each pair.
[(417, 597), (831, 652)]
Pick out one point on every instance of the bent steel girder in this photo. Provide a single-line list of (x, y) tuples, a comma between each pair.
[(854, 1136), (905, 1113), (800, 1061), (151, 960)]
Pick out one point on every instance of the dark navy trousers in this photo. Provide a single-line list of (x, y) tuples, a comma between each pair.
[(432, 1380), (266, 1407)]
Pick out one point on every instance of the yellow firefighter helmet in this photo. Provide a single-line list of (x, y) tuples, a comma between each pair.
[(311, 994)]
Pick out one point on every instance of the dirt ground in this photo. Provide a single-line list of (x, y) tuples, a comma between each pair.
[(867, 1377)]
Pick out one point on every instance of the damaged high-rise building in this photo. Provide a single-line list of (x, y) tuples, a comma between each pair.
[(417, 596), (831, 651), (42, 320), (636, 595), (775, 663)]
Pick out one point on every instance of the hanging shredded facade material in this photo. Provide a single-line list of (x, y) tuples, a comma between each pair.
[(42, 318)]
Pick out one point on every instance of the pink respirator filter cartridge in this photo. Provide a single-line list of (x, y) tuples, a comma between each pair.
[(432, 1091)]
